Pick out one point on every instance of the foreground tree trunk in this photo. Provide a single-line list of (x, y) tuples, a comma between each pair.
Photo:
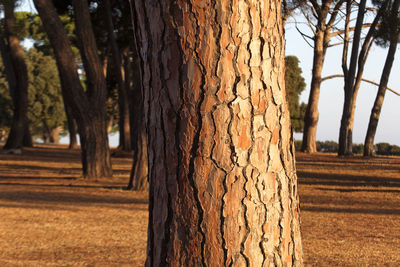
[(223, 186), (17, 76), (376, 109), (88, 107)]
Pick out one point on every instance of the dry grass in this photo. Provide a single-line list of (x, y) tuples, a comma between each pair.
[(52, 217), (350, 210)]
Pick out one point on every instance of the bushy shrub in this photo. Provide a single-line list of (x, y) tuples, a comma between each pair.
[(383, 148), (358, 148), (327, 146), (387, 149)]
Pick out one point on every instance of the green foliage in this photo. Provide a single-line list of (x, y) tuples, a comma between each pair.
[(388, 25), (45, 108), (332, 147), (358, 148), (6, 106), (295, 84), (39, 36), (327, 146), (387, 149)]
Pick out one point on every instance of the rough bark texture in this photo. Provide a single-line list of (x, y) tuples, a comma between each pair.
[(376, 109), (223, 186), (17, 75), (88, 107)]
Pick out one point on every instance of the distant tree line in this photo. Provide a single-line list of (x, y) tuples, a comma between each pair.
[(333, 147)]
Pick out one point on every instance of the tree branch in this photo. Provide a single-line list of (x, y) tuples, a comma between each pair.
[(364, 80)]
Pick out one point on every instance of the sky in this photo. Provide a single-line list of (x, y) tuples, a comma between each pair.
[(332, 93), (332, 96)]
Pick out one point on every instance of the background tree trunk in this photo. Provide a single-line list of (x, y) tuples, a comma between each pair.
[(73, 142), (123, 99), (352, 80), (312, 114), (376, 109), (139, 173), (94, 139), (88, 107), (322, 36), (18, 82), (223, 186)]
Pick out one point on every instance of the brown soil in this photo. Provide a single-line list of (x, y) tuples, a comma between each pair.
[(49, 216)]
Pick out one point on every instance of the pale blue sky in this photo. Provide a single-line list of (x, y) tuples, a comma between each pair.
[(332, 96)]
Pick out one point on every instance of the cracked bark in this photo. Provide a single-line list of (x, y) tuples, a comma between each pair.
[(223, 186)]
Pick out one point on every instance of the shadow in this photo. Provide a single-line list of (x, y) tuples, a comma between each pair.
[(350, 190), (43, 197), (361, 165), (41, 206), (310, 178), (67, 185), (41, 168), (14, 178), (57, 169), (380, 211)]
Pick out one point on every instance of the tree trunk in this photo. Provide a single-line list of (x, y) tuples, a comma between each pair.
[(312, 114), (223, 186), (88, 107), (376, 109), (322, 38), (55, 135), (352, 81), (73, 142), (139, 173), (18, 82), (123, 99)]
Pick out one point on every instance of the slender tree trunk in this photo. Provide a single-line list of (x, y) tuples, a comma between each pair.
[(322, 38), (352, 81), (139, 173), (94, 139), (312, 114), (73, 142), (376, 109), (123, 99), (18, 83), (88, 107), (223, 186)]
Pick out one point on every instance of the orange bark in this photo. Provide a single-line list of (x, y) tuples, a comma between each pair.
[(221, 164)]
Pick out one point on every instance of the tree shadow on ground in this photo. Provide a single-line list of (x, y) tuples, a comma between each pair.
[(333, 179), (74, 198)]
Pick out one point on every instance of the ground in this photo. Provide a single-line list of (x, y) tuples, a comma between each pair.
[(51, 217)]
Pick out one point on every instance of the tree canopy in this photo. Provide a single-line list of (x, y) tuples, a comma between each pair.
[(295, 85)]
